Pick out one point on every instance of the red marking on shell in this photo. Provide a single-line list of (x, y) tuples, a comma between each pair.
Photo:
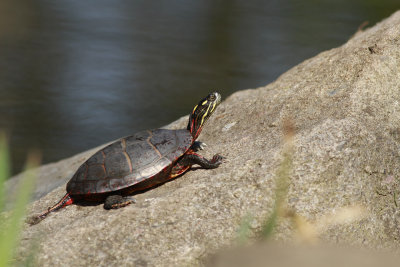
[(117, 184), (102, 186)]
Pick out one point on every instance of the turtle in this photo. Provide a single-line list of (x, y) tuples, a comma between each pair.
[(139, 162)]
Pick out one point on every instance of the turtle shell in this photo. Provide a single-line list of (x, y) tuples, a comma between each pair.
[(129, 161)]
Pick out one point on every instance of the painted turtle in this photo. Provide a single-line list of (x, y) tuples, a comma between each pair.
[(139, 162)]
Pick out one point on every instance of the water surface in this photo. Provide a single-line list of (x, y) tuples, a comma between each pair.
[(76, 74)]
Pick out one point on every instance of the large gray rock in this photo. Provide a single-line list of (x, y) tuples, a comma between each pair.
[(345, 104)]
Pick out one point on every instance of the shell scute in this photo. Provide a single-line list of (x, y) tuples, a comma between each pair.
[(97, 158), (80, 174), (115, 147), (117, 183), (89, 187), (95, 172), (140, 153), (102, 186), (133, 178), (116, 165)]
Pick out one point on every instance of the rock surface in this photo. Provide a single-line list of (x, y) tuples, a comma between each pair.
[(345, 104)]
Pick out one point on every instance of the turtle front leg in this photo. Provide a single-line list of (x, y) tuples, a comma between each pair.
[(117, 201), (194, 158)]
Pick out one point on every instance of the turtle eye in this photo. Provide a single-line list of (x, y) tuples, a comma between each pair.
[(211, 97)]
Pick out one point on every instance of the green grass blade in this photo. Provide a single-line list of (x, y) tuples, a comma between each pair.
[(244, 230), (13, 224), (269, 225), (4, 168)]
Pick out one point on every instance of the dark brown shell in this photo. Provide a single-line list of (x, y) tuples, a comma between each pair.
[(129, 161)]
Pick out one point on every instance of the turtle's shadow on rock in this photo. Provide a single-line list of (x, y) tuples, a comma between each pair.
[(87, 203)]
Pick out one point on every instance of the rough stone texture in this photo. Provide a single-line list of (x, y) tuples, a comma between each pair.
[(345, 105)]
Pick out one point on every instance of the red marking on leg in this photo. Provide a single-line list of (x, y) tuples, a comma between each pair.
[(121, 205), (191, 152), (69, 202), (178, 170), (65, 201)]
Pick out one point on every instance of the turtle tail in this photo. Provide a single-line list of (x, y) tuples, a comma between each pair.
[(65, 201)]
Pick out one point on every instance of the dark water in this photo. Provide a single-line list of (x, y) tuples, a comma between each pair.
[(76, 74)]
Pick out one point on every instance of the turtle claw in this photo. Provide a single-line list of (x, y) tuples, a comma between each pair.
[(218, 159), (198, 145)]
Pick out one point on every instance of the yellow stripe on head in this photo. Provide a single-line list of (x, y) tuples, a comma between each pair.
[(214, 104), (195, 108), (205, 115)]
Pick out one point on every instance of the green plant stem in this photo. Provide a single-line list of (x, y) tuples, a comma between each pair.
[(12, 225)]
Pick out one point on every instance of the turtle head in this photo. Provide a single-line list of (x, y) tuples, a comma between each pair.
[(201, 112)]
